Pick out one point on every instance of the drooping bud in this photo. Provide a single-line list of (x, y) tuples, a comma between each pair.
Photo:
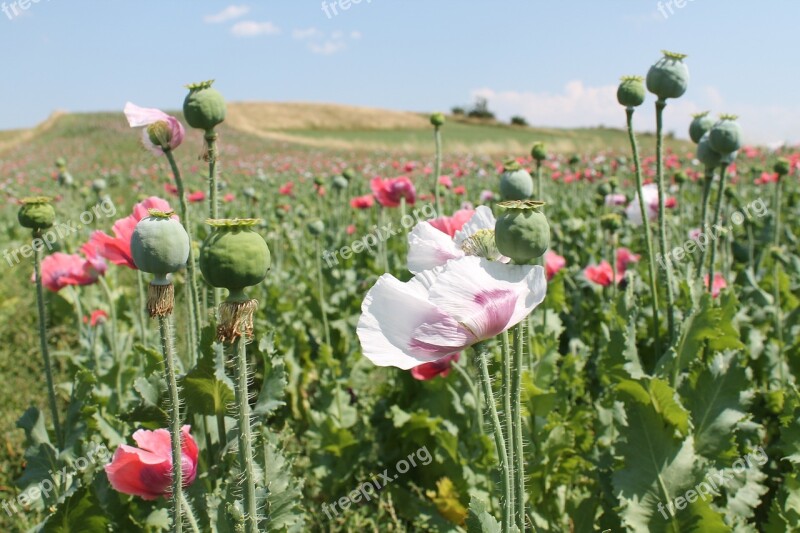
[(36, 213), (669, 76), (630, 92), (522, 232)]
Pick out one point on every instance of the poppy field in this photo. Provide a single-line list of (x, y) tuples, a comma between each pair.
[(205, 330)]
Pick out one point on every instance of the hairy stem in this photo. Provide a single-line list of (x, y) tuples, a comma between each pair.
[(516, 415), (246, 460), (509, 420), (168, 351), (437, 136), (662, 219)]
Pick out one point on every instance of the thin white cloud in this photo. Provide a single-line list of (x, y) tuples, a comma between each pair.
[(355, 35), (307, 33), (229, 13), (251, 28), (578, 105), (327, 48)]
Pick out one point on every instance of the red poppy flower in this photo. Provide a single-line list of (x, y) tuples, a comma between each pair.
[(440, 367), (390, 191), (450, 225)]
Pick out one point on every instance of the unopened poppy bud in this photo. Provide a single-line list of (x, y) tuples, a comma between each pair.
[(316, 228), (630, 92), (611, 222), (99, 185), (668, 77), (340, 183), (681, 177), (437, 119)]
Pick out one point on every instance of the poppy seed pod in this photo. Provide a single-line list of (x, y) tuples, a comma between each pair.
[(340, 183), (701, 123), (681, 177), (316, 228), (611, 222), (782, 166), (234, 256), (159, 245), (36, 213), (669, 77), (515, 182), (538, 152), (630, 92), (204, 107), (522, 232), (707, 155), (437, 119), (726, 135)]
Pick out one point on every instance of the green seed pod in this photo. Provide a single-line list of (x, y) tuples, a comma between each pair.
[(36, 213), (681, 177), (319, 181), (728, 158), (61, 163), (203, 107), (706, 154), (249, 193), (159, 245), (234, 256), (538, 152), (782, 166), (669, 77), (701, 123), (348, 174), (515, 183), (316, 228), (574, 160), (99, 185), (726, 135), (630, 92), (437, 120), (613, 182), (522, 232), (604, 189), (611, 222), (340, 183)]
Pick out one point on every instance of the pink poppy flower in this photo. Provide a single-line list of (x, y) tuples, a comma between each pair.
[(197, 196), (351, 229), (601, 274), (634, 212), (390, 191), (445, 181), (450, 225), (615, 199), (144, 116), (146, 471), (287, 188), (486, 196), (362, 202), (460, 190), (117, 249), (441, 312), (60, 270), (228, 198), (98, 317), (624, 258), (429, 247), (718, 285), (427, 371), (553, 263)]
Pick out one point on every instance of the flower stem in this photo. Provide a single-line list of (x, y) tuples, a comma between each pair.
[(497, 430), (213, 193), (112, 308), (516, 415), (662, 219), (321, 292), (247, 465), (651, 259), (508, 418), (437, 136), (475, 394), (717, 212), (539, 181), (709, 178), (187, 510), (168, 351), (48, 369), (194, 302)]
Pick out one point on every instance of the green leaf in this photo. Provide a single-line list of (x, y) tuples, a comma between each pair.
[(273, 391), (715, 398), (80, 512), (285, 492), (479, 519)]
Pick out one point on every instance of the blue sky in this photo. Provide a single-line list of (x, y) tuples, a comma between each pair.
[(557, 63)]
